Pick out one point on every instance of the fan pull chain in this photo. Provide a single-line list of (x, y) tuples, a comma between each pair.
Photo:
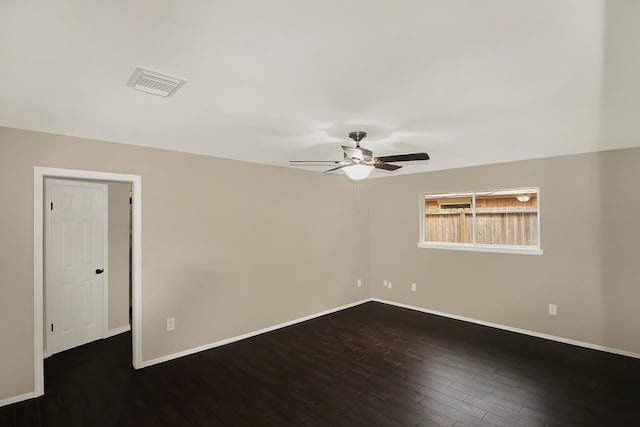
[(358, 196)]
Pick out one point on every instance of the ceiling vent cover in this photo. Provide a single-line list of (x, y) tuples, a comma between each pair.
[(154, 82)]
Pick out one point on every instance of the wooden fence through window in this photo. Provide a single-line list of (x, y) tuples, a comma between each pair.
[(500, 220)]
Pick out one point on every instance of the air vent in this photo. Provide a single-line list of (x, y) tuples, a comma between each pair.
[(154, 82)]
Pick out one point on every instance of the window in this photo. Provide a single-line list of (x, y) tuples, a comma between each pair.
[(493, 221)]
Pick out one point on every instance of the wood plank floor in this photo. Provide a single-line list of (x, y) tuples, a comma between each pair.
[(372, 365)]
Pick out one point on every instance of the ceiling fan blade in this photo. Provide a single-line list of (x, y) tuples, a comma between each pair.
[(334, 169), (404, 157), (386, 166), (357, 153), (314, 162)]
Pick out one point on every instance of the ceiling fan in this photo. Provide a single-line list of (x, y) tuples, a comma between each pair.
[(358, 162)]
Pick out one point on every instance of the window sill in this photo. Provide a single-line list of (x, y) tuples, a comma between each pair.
[(522, 250)]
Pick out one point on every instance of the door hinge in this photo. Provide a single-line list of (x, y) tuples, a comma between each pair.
[(52, 327), (51, 205)]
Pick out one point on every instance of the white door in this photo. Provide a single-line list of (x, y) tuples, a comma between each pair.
[(76, 255)]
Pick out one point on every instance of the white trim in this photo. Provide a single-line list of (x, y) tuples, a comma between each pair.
[(105, 266), (117, 331), (421, 220), (136, 269), (16, 399), (249, 334), (411, 307), (474, 216), (511, 329), (539, 215), (38, 313), (138, 364), (522, 250), (39, 173)]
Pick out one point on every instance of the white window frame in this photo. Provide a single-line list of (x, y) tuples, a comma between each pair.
[(473, 246)]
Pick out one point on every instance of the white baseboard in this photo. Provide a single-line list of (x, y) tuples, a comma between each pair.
[(118, 331), (511, 329), (248, 335), (16, 399), (411, 307), (112, 332)]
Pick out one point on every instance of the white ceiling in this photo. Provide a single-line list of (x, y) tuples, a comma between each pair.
[(470, 82)]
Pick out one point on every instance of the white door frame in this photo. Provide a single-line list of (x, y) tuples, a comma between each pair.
[(39, 174)]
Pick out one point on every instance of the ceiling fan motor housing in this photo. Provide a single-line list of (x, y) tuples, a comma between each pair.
[(358, 135)]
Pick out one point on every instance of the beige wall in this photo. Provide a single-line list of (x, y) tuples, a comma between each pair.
[(590, 208), (231, 247), (228, 247), (118, 254)]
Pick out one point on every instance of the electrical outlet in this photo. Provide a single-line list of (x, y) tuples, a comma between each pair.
[(389, 285), (413, 286), (359, 283), (553, 309), (171, 324)]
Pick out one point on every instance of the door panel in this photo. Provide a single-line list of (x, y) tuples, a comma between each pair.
[(76, 240)]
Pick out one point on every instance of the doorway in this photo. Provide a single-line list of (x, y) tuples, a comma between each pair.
[(40, 173)]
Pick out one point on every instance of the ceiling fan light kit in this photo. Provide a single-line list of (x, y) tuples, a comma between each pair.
[(357, 172), (358, 162)]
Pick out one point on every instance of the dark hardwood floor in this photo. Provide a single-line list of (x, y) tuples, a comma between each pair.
[(372, 365)]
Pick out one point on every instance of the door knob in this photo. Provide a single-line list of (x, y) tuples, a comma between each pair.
[(99, 270)]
